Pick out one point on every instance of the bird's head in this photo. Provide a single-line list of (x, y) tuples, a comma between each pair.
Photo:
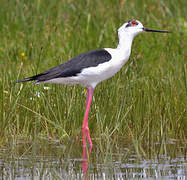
[(134, 27)]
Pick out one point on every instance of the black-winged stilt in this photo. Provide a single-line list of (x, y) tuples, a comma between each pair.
[(90, 68)]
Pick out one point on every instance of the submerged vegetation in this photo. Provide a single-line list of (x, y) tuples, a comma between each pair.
[(145, 104)]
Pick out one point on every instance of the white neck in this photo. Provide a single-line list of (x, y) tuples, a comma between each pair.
[(125, 41)]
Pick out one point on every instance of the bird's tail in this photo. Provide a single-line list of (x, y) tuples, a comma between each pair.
[(32, 78)]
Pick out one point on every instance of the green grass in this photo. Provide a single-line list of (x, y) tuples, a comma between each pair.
[(144, 104)]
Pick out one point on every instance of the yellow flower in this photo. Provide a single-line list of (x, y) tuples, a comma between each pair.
[(85, 90), (22, 54), (46, 88)]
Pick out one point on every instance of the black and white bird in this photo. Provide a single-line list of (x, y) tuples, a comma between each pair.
[(90, 68)]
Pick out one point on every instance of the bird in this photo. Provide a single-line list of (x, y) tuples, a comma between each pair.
[(92, 67)]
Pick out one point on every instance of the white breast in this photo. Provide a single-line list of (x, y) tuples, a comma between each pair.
[(94, 75)]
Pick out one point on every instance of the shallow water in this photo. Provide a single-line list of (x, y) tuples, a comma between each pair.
[(44, 161)]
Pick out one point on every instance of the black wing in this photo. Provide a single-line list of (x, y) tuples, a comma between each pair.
[(73, 67)]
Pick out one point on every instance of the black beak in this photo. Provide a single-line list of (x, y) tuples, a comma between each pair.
[(152, 30)]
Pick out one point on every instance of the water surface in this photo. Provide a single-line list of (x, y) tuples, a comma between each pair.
[(71, 161)]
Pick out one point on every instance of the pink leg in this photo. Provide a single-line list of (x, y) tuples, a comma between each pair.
[(87, 96), (85, 129)]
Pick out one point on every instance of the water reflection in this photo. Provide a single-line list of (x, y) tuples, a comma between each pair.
[(85, 162), (72, 162)]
